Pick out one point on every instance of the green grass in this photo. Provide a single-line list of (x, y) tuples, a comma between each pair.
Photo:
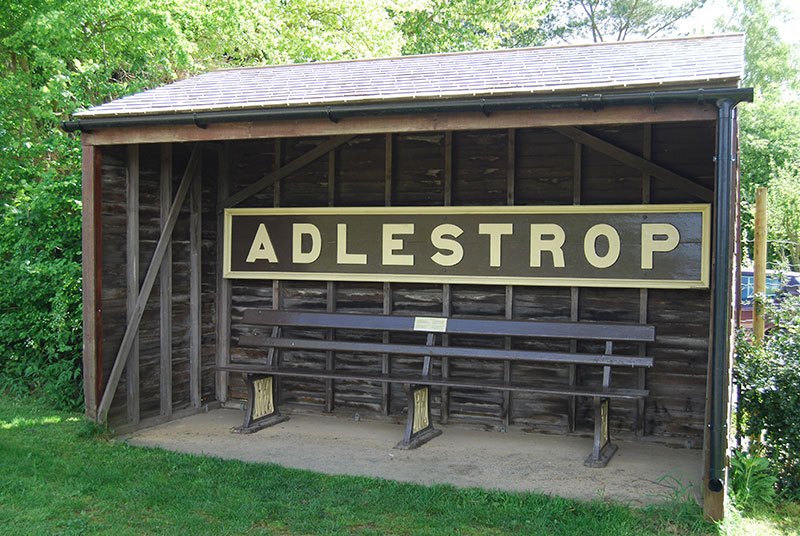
[(58, 476)]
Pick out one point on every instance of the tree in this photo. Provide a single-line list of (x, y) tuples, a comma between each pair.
[(771, 63), (770, 126), (615, 20), (431, 26), (60, 56), (784, 216)]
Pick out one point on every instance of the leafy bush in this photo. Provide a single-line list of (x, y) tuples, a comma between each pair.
[(40, 293), (751, 480), (769, 392)]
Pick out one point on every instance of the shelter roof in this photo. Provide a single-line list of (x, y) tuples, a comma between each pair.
[(689, 62)]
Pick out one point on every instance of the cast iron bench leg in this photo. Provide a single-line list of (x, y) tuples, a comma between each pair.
[(419, 427), (603, 449), (261, 411)]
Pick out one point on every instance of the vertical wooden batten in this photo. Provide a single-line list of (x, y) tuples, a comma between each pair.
[(511, 178), (574, 292), (91, 237), (330, 356), (386, 364), (276, 284), (132, 278), (641, 378), (224, 286), (165, 287), (195, 286), (444, 411)]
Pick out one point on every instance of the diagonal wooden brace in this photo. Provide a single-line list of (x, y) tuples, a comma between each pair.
[(636, 162), (147, 285), (283, 172)]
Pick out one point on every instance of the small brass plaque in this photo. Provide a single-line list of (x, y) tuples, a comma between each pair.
[(420, 410), (430, 323), (262, 405)]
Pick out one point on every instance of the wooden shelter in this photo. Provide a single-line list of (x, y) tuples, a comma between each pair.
[(629, 125)]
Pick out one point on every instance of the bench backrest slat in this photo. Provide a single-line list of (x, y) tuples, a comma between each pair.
[(446, 351), (466, 326)]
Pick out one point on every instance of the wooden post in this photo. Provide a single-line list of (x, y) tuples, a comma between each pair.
[(274, 354), (386, 363), (224, 286), (641, 379), (195, 287), (760, 265), (92, 220), (511, 176), (330, 356), (165, 291), (444, 408), (574, 294), (132, 278)]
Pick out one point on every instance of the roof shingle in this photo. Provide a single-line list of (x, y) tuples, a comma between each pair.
[(694, 61)]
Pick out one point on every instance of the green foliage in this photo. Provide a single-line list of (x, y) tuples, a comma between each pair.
[(751, 481), (769, 392), (616, 20), (770, 126), (431, 26), (772, 63), (770, 155), (784, 215)]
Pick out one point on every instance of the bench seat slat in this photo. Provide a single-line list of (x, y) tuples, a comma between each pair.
[(445, 351), (466, 326), (256, 368)]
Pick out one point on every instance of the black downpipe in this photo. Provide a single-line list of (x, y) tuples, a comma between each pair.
[(722, 296), (483, 105)]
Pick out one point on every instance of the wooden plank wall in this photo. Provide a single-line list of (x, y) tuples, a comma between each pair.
[(498, 167), (167, 333)]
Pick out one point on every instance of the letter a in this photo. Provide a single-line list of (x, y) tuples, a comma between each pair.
[(262, 246)]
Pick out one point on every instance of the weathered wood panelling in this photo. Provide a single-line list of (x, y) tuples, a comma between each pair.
[(423, 169), (149, 349)]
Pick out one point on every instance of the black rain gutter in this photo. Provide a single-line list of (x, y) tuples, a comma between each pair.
[(483, 105), (720, 346)]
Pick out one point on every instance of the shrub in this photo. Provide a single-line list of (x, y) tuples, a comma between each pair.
[(751, 480), (40, 288), (769, 392)]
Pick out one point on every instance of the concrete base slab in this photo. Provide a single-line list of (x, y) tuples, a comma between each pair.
[(512, 461)]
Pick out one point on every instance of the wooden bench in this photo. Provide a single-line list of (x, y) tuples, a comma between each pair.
[(259, 376)]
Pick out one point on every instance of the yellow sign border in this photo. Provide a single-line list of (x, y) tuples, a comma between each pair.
[(703, 208)]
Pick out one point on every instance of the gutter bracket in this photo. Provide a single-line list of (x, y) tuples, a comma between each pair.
[(484, 111), (197, 122), (332, 118), (592, 102), (701, 97)]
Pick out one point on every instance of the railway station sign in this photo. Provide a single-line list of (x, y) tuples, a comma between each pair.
[(640, 246)]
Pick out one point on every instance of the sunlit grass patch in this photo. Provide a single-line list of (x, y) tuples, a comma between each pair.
[(56, 477)]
